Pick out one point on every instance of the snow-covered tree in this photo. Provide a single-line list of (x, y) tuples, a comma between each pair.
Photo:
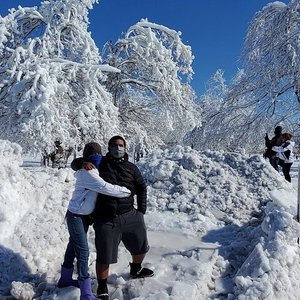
[(264, 93), (226, 124), (152, 90), (271, 54), (211, 132), (51, 78)]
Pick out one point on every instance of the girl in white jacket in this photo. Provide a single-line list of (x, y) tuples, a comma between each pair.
[(88, 184), (285, 152)]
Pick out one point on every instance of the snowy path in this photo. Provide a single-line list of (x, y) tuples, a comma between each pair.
[(183, 266)]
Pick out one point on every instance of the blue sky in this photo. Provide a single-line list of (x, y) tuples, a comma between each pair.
[(215, 29)]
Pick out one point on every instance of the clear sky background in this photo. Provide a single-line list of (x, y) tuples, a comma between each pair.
[(215, 29)]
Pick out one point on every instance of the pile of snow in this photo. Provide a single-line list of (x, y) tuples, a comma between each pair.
[(258, 245), (219, 225), (32, 211), (271, 270), (12, 188), (10, 152), (209, 186)]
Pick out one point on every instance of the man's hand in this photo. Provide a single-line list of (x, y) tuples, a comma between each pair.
[(88, 166)]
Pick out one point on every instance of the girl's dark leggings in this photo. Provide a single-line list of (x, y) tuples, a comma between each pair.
[(286, 171)]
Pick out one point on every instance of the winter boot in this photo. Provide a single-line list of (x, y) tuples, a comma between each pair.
[(66, 278), (86, 290), (102, 290), (136, 271)]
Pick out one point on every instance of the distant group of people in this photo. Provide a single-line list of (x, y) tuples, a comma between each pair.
[(104, 194), (280, 151), (58, 157)]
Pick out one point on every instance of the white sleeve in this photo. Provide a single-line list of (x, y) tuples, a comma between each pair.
[(277, 148), (282, 149), (92, 181)]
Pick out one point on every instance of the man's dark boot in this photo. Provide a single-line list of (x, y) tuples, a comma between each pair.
[(102, 290), (136, 271)]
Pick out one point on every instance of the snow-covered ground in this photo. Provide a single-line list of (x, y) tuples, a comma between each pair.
[(220, 225)]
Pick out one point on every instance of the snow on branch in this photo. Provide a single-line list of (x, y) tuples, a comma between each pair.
[(51, 82), (271, 62), (156, 69)]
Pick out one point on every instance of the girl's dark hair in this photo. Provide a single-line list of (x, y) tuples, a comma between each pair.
[(287, 136), (91, 148)]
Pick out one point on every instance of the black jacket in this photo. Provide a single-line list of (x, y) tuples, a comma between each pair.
[(121, 172), (275, 141)]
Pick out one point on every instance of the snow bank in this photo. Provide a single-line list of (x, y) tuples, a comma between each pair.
[(10, 152), (33, 235), (258, 244), (215, 230), (271, 270), (12, 189), (209, 185)]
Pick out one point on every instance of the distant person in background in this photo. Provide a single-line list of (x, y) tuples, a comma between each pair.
[(87, 186), (58, 156), (276, 140), (285, 153)]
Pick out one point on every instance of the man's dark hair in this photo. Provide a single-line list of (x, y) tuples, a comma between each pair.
[(114, 138), (278, 130), (91, 148)]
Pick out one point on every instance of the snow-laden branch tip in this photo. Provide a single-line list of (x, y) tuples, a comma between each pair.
[(103, 68)]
